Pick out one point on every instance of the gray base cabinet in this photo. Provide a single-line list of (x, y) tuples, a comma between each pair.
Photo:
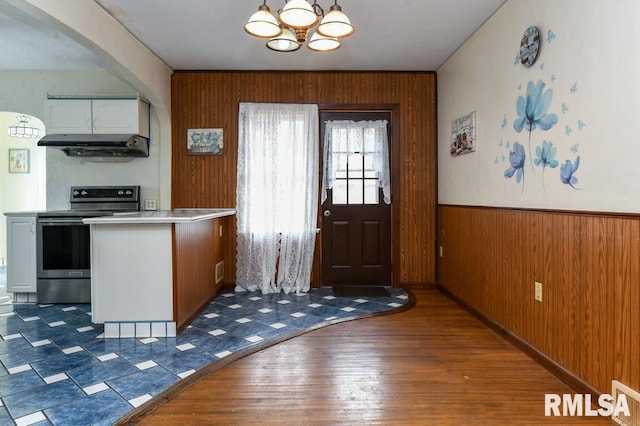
[(21, 254)]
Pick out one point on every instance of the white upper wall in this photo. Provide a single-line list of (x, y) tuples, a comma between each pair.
[(587, 65)]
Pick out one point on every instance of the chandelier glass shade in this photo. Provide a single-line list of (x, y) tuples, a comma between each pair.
[(320, 43), (295, 20), (298, 14), (263, 23), (22, 129), (285, 42), (335, 24)]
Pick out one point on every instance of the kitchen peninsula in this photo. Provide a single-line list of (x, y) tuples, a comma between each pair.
[(153, 271)]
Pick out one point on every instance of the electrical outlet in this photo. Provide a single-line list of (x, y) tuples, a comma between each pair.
[(538, 291), (150, 205), (441, 252)]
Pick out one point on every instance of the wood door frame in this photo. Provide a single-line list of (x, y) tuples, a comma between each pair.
[(394, 110)]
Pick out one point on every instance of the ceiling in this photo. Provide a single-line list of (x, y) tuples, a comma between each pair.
[(391, 35)]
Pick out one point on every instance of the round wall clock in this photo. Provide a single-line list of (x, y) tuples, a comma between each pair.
[(529, 46)]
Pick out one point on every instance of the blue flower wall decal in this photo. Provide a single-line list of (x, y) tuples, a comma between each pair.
[(567, 171), (532, 110), (548, 129), (545, 157), (516, 158)]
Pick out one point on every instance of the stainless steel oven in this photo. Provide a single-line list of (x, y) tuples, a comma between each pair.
[(63, 241), (64, 270)]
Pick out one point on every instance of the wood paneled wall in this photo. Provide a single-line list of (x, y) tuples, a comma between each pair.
[(589, 266), (211, 99), (197, 249)]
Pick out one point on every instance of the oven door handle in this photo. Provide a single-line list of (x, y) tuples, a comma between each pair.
[(60, 221)]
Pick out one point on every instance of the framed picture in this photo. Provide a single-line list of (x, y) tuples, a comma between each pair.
[(18, 160), (204, 141), (463, 134)]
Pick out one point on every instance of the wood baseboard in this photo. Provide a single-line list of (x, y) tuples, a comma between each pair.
[(571, 379), (418, 285)]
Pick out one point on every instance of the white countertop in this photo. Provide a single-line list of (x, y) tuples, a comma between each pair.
[(161, 216)]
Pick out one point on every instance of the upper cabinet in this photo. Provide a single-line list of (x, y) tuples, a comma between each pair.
[(97, 116)]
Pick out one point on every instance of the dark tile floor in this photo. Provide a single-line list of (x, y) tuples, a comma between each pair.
[(57, 369)]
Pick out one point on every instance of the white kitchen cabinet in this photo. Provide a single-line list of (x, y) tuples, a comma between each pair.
[(97, 116), (21, 254)]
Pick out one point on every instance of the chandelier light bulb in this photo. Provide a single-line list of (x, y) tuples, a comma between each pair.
[(285, 42)]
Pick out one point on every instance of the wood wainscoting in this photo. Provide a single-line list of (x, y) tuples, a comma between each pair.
[(589, 265), (197, 249)]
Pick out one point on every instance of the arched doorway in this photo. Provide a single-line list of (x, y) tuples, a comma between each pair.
[(22, 172)]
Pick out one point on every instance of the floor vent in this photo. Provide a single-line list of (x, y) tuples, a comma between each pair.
[(219, 272), (633, 401)]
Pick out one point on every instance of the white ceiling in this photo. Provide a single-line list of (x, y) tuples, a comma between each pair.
[(391, 35)]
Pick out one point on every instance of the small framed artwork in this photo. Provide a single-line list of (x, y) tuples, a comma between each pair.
[(463, 134), (204, 141), (18, 160)]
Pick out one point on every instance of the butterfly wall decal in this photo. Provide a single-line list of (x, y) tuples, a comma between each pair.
[(550, 36), (574, 87)]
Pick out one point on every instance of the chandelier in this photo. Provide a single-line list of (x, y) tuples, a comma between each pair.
[(22, 129), (289, 31)]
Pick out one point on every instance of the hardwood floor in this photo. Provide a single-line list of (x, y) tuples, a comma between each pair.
[(435, 364)]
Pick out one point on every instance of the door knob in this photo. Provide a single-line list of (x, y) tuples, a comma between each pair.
[(327, 213)]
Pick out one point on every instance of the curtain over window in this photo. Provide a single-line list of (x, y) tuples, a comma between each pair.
[(366, 140), (277, 196)]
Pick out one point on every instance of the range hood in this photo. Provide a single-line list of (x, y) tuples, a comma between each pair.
[(90, 145)]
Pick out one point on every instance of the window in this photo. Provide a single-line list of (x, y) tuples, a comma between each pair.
[(277, 196), (356, 162)]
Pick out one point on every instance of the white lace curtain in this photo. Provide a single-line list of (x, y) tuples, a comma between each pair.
[(277, 196), (343, 138)]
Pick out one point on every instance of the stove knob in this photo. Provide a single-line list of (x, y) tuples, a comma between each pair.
[(84, 192), (120, 192), (76, 192), (129, 192)]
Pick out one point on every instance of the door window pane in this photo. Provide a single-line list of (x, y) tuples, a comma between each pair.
[(340, 192), (355, 166), (369, 169), (355, 191), (371, 191)]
